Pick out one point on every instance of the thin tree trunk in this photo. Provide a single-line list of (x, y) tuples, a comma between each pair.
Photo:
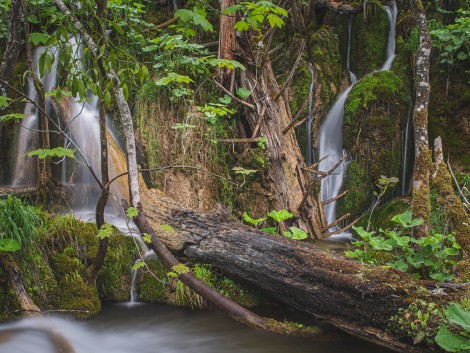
[(45, 181), (101, 14), (227, 42), (421, 203)]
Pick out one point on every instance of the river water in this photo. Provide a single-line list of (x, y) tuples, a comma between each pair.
[(146, 328)]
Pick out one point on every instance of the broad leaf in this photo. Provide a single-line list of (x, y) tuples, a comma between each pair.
[(281, 215), (456, 315), (450, 341), (250, 220), (54, 152)]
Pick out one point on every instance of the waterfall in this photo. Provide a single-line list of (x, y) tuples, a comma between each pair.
[(25, 168), (309, 145), (330, 134), (352, 75)]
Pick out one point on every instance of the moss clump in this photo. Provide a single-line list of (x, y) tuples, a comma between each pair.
[(73, 292), (369, 40), (235, 291), (151, 287), (113, 280), (38, 276), (382, 216), (356, 199)]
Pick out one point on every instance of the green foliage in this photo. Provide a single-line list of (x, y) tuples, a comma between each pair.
[(19, 224), (280, 215), (453, 39), (167, 228), (132, 212), (195, 17), (296, 234), (252, 221), (256, 14), (12, 116), (432, 256), (458, 321), (52, 152), (105, 231)]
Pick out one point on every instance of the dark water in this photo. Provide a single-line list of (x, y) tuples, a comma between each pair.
[(162, 329)]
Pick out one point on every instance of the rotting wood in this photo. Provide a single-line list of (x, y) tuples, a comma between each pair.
[(359, 299)]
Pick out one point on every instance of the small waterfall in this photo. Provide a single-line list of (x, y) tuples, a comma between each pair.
[(352, 75), (330, 134), (25, 168), (309, 146), (392, 14)]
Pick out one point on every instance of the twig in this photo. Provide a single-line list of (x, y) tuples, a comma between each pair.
[(243, 140), (339, 220), (335, 198), (246, 104), (298, 115), (292, 71), (345, 228), (456, 183)]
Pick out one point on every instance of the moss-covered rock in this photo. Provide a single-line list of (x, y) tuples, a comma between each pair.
[(369, 40), (374, 116), (151, 286)]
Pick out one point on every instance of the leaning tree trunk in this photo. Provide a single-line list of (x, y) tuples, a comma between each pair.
[(356, 298), (289, 185), (421, 203)]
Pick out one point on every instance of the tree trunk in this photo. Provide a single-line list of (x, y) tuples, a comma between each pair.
[(227, 42), (45, 181), (356, 298), (421, 203), (287, 181)]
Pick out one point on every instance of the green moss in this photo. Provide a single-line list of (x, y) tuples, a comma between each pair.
[(113, 280), (238, 293), (74, 293), (369, 40), (357, 197), (151, 287)]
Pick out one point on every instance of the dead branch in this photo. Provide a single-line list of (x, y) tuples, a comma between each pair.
[(246, 104), (335, 198), (292, 71), (298, 115), (244, 140), (339, 220)]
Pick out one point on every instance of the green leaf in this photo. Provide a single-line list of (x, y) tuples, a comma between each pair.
[(147, 238), (4, 101), (269, 230), (280, 215), (180, 269), (167, 228), (37, 38), (54, 152), (250, 220), (105, 231), (12, 116), (9, 245), (107, 99), (456, 315), (137, 265), (243, 92), (241, 26), (243, 171), (201, 21), (226, 99), (450, 341), (132, 212), (296, 234)]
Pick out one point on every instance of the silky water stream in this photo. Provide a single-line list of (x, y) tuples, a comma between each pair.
[(160, 329)]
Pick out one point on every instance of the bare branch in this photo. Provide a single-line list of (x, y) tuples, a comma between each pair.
[(292, 71)]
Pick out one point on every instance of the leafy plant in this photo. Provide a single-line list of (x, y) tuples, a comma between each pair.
[(257, 13), (296, 234), (280, 215), (459, 321), (431, 256), (19, 224), (252, 221)]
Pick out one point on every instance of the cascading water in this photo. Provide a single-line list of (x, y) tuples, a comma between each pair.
[(331, 137), (25, 168)]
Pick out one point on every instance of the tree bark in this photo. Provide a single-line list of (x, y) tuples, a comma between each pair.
[(227, 43), (421, 203), (101, 14), (359, 299), (286, 180), (45, 181)]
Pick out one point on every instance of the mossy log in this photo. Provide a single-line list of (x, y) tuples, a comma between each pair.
[(356, 298)]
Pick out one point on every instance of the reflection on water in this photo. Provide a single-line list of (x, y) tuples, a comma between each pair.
[(161, 329)]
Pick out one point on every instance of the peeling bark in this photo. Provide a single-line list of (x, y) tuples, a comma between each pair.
[(423, 163)]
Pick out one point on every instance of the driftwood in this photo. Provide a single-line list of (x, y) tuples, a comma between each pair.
[(355, 298)]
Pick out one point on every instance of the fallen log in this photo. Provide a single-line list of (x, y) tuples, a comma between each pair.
[(356, 298)]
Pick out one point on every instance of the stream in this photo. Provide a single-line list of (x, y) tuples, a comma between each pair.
[(146, 328)]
